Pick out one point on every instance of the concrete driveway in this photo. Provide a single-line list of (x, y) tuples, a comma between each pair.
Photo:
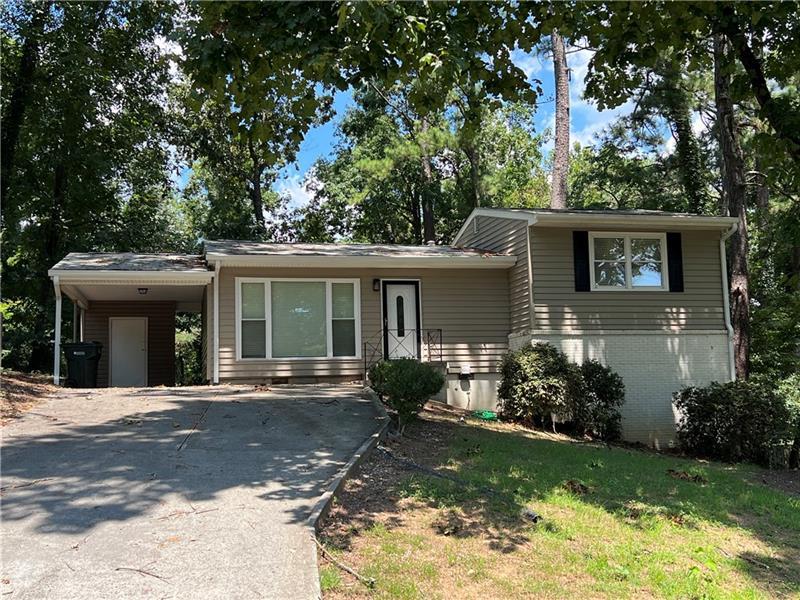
[(172, 493)]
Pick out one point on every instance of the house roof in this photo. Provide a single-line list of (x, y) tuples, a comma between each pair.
[(240, 248), (245, 253), (552, 217), (128, 261)]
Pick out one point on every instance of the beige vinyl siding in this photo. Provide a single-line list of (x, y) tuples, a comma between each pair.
[(507, 236), (160, 336), (558, 307), (470, 306)]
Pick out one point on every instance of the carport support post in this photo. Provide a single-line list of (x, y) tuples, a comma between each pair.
[(57, 335), (216, 322)]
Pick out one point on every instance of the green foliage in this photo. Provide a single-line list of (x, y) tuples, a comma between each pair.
[(91, 159), (538, 383), (597, 409), (740, 420), (188, 350), (788, 391), (407, 385)]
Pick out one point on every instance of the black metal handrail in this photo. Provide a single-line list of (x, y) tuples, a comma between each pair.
[(423, 344)]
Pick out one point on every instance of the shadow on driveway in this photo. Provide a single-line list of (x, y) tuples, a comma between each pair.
[(141, 473)]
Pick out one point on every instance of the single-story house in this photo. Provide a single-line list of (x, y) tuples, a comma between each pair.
[(644, 292)]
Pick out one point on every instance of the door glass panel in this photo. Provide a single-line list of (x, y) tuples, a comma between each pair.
[(401, 317), (298, 319)]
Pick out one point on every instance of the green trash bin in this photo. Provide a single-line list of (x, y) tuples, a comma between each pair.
[(82, 360)]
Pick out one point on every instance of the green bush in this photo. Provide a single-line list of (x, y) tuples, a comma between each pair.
[(407, 385), (538, 383), (740, 420), (596, 409), (788, 391)]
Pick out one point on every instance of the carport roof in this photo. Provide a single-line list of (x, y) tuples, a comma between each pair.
[(128, 261)]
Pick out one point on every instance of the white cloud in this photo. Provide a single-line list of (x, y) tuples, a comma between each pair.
[(298, 188), (533, 65)]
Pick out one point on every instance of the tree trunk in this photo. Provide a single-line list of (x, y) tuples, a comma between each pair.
[(474, 173), (416, 218), (257, 200), (558, 194), (687, 149), (429, 227), (20, 96), (41, 358), (733, 188), (775, 115)]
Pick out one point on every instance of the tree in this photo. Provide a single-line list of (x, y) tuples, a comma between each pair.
[(561, 151), (735, 200), (90, 150), (233, 147)]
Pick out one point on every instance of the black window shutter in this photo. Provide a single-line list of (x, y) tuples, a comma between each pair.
[(580, 253), (675, 262)]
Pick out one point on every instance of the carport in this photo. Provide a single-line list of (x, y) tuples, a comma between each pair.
[(128, 303)]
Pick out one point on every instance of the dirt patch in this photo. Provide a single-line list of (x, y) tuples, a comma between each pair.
[(372, 495), (683, 475), (19, 392), (785, 481)]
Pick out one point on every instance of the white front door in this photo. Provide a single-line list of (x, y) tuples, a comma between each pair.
[(128, 353), (401, 329)]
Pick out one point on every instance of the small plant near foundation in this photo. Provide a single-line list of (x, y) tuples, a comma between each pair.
[(406, 385)]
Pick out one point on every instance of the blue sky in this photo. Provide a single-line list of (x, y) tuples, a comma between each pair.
[(586, 120)]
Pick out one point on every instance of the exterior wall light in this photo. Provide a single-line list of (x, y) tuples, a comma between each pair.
[(376, 285), (143, 291)]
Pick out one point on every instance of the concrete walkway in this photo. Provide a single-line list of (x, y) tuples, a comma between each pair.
[(172, 493)]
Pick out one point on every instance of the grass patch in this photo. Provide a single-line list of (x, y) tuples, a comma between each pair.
[(617, 523)]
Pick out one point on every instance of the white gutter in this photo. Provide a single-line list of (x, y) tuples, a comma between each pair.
[(217, 267), (295, 261), (726, 302), (57, 335), (545, 219)]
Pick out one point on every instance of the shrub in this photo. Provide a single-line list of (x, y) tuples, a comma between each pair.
[(740, 420), (406, 384), (538, 382), (788, 391), (596, 409)]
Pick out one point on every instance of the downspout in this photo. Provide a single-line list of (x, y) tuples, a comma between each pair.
[(726, 303), (57, 334), (216, 321)]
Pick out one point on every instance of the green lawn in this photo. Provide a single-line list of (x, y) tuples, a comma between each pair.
[(633, 531)]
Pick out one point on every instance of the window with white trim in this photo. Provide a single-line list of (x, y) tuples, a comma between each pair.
[(297, 318), (628, 261)]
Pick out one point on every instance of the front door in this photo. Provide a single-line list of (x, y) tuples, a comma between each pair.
[(401, 319), (128, 354)]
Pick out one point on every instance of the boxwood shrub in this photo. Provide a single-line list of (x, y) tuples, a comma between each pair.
[(597, 409), (406, 385), (736, 421), (540, 385)]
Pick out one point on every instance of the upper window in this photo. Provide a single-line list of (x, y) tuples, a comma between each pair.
[(629, 261), (283, 318)]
